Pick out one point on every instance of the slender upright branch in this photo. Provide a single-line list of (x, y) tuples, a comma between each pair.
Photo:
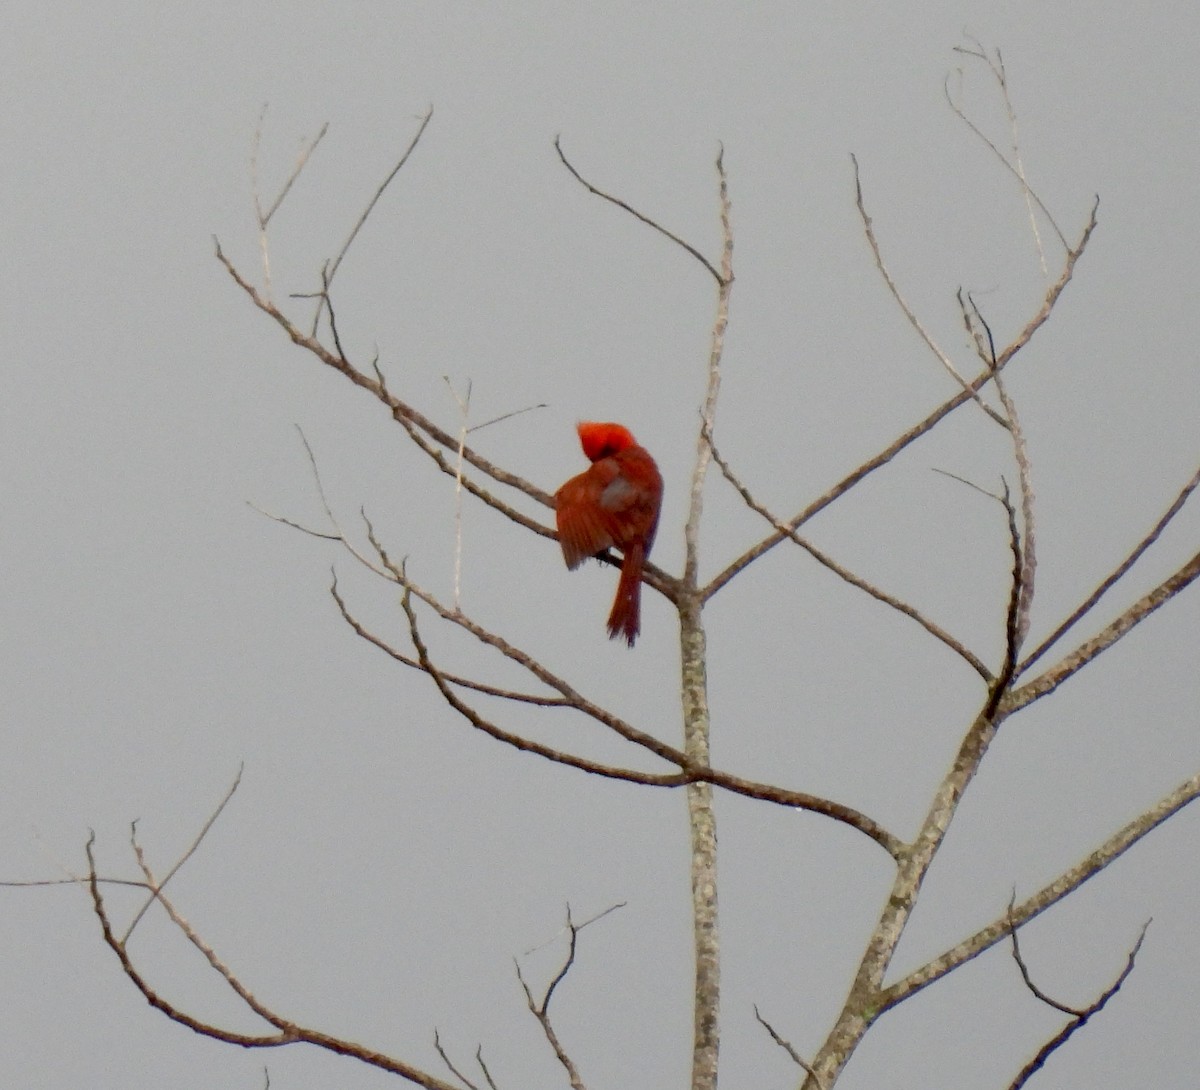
[(694, 695), (540, 1009)]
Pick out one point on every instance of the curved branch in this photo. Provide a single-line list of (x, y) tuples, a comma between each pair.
[(288, 1032), (1079, 1018)]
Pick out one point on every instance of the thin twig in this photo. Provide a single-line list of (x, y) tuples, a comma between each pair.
[(483, 1067), (1075, 1012), (212, 818), (1079, 1017), (412, 144), (541, 1009), (917, 430), (1111, 580), (264, 218), (797, 1059), (1017, 169), (464, 411), (968, 388), (847, 575), (437, 1044), (635, 213)]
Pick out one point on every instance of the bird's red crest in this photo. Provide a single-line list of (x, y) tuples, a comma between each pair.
[(602, 439)]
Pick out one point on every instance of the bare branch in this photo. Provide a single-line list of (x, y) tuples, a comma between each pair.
[(1024, 969), (264, 218), (306, 150), (846, 574), (541, 1009), (917, 430), (483, 1067), (437, 1044), (708, 411), (416, 423), (635, 213), (212, 818), (464, 409), (1016, 167), (969, 389), (152, 997), (1012, 422), (1085, 607), (1065, 884), (1074, 662), (210, 955), (797, 1059), (412, 144), (1079, 1017), (455, 679), (288, 1032), (528, 662), (689, 771)]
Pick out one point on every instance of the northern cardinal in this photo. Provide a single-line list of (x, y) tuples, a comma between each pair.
[(614, 503)]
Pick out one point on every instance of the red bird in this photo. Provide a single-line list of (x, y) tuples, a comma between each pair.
[(614, 503)]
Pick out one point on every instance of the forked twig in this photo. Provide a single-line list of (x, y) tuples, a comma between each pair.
[(1079, 1016), (264, 217), (540, 1009)]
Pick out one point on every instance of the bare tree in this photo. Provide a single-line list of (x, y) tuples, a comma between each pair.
[(1021, 676)]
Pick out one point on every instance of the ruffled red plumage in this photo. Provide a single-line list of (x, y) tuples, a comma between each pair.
[(614, 503)]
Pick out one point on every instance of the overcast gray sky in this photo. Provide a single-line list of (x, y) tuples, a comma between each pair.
[(381, 864)]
